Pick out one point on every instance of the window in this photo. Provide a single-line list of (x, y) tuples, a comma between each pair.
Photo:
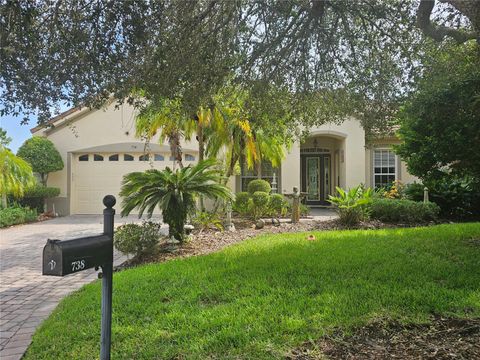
[(144, 157), (267, 171), (172, 158), (189, 157), (113, 157), (158, 157), (83, 157), (97, 157), (384, 168), (127, 157)]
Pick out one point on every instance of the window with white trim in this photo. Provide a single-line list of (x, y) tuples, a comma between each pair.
[(384, 168)]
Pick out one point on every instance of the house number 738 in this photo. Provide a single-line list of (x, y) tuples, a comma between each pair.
[(78, 265)]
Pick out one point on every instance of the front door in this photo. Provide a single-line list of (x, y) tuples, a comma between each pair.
[(316, 178)]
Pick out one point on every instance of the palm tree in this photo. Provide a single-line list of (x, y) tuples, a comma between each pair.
[(174, 192), (167, 117), (235, 136), (15, 175), (240, 138)]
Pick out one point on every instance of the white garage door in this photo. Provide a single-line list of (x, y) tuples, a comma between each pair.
[(97, 175)]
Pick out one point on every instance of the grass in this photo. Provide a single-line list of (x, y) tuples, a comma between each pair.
[(263, 297)]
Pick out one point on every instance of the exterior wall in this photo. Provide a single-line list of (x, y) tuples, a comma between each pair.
[(290, 175), (88, 129)]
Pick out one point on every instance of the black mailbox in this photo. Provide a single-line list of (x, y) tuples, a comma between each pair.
[(69, 256), (61, 258)]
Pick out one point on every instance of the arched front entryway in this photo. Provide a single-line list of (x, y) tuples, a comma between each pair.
[(321, 166)]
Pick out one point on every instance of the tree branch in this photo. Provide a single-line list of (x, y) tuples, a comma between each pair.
[(438, 33)]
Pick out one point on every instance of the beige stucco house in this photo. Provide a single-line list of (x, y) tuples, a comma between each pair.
[(99, 146)]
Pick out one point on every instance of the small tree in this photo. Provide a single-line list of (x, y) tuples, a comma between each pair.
[(42, 156), (439, 125), (174, 192)]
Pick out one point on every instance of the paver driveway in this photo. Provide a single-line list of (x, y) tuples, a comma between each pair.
[(27, 297)]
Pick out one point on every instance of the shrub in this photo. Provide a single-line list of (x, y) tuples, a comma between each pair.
[(277, 205), (304, 210), (258, 185), (403, 211), (241, 204), (396, 191), (206, 220), (414, 191), (260, 200), (34, 198), (16, 215), (137, 239), (457, 197), (352, 205)]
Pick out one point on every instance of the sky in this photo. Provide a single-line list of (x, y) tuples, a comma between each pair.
[(18, 133)]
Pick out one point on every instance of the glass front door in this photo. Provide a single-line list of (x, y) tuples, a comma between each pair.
[(316, 178), (313, 175)]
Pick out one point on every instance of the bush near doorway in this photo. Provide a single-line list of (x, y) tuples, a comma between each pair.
[(352, 205), (403, 211)]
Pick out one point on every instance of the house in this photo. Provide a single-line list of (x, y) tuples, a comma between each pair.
[(99, 146)]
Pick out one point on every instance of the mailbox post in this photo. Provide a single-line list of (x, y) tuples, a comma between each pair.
[(107, 269), (66, 257)]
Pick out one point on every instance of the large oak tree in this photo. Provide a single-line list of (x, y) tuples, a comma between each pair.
[(335, 56)]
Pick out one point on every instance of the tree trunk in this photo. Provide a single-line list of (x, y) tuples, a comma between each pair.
[(4, 200), (44, 178), (176, 149), (231, 168), (201, 156), (258, 166)]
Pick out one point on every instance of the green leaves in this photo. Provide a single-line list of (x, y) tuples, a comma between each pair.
[(174, 192), (439, 125), (42, 156), (15, 175), (353, 204), (80, 53)]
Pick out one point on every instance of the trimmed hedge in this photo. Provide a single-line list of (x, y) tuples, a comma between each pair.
[(260, 201), (241, 204), (278, 205), (403, 211), (34, 198), (14, 215), (258, 185)]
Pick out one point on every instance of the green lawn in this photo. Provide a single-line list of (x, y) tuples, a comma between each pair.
[(263, 297)]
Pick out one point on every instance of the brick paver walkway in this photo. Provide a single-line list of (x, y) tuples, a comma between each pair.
[(27, 297)]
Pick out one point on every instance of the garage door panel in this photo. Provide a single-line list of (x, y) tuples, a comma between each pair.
[(92, 180)]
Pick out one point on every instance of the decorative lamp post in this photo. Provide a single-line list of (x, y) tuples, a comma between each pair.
[(425, 195), (274, 183)]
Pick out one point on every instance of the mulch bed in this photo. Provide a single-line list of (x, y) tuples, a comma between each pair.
[(442, 338), (210, 240)]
